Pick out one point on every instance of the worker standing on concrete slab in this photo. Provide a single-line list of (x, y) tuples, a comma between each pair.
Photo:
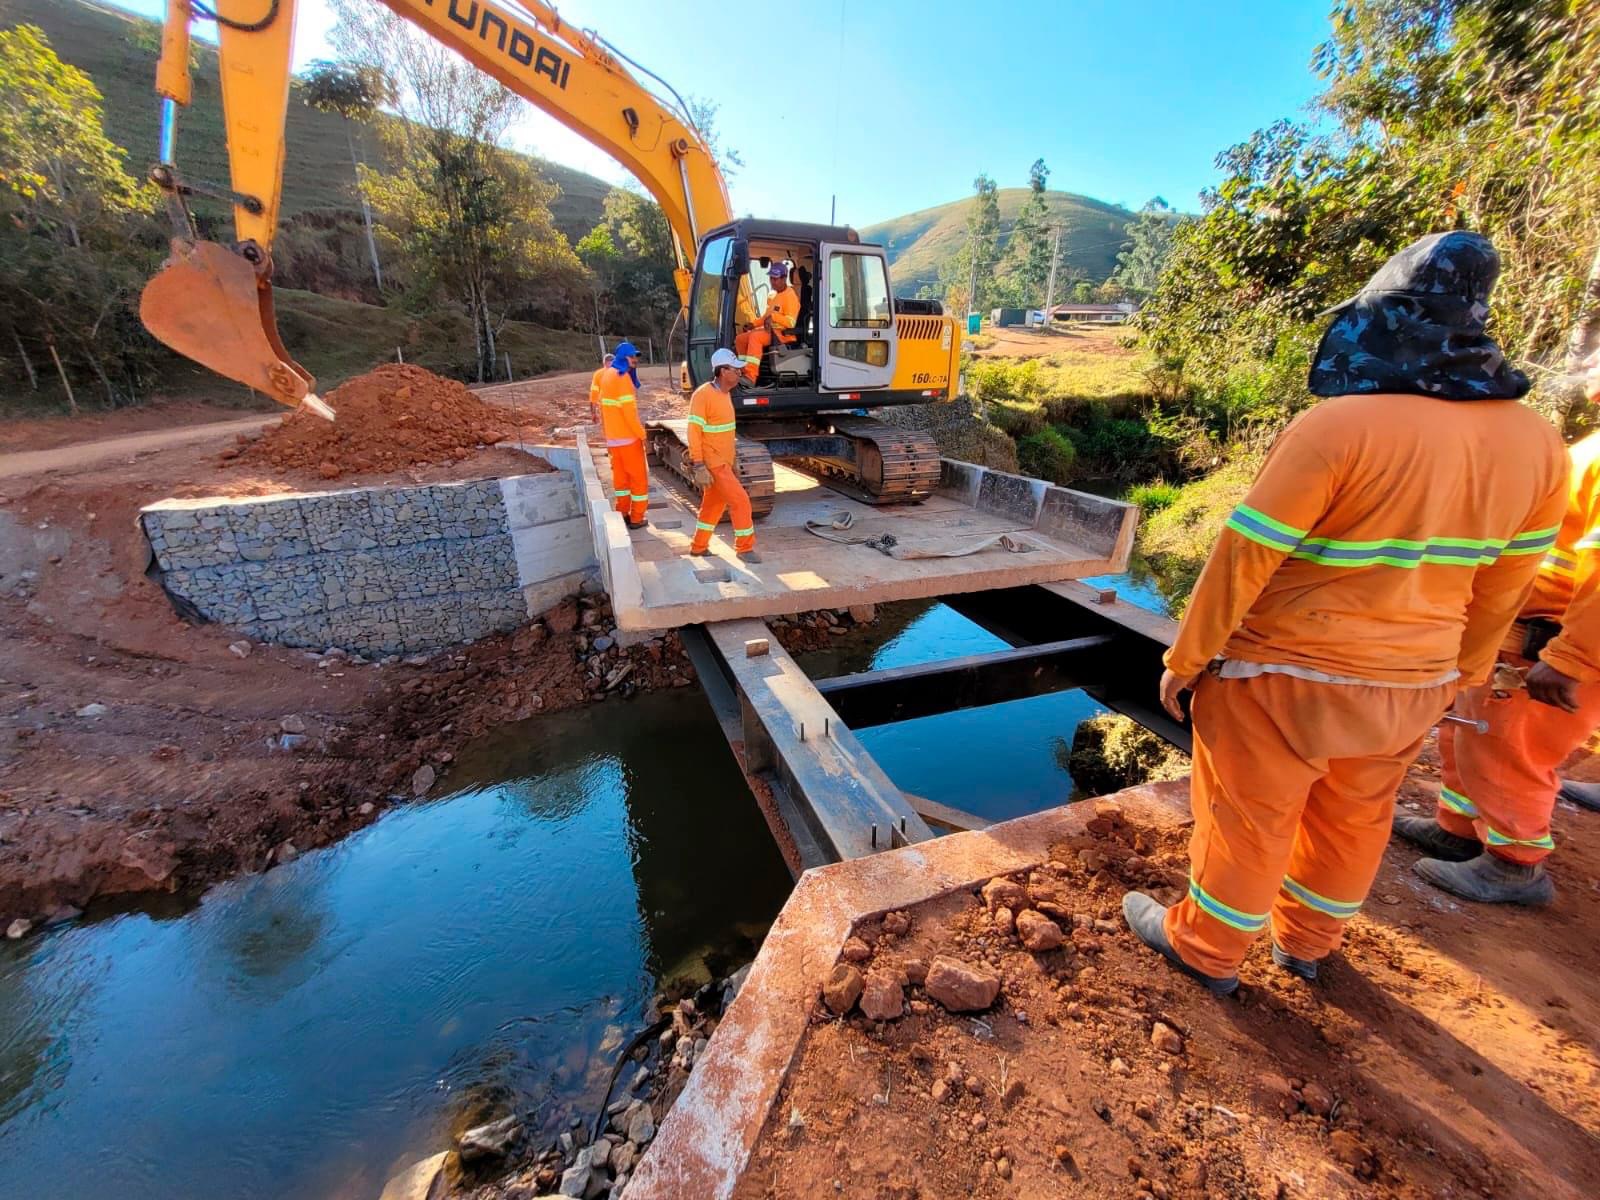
[(1380, 556), (714, 455), (594, 389), (624, 433), (1492, 832)]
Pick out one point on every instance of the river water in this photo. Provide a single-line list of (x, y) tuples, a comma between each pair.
[(308, 1032)]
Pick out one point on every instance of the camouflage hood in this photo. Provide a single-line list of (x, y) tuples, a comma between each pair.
[(1418, 328)]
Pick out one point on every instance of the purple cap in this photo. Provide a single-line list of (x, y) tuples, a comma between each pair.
[(777, 270)]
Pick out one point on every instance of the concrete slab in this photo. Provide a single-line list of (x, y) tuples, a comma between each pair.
[(706, 1140), (1058, 534)]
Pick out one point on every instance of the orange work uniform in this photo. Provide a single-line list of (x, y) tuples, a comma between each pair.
[(594, 394), (624, 433), (784, 310), (711, 441), (1500, 787), (1381, 554)]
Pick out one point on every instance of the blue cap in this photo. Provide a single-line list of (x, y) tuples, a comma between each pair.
[(778, 269), (625, 350)]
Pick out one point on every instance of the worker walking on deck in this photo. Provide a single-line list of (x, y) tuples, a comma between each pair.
[(594, 389), (714, 457), (1380, 556), (624, 433), (777, 322), (1492, 832)]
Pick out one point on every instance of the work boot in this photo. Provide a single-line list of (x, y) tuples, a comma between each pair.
[(693, 553), (637, 524), (749, 556), (1490, 879), (1438, 841), (1584, 795), (1145, 917), (1306, 968)]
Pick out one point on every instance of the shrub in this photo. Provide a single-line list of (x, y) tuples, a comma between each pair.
[(1153, 497), (1047, 454)]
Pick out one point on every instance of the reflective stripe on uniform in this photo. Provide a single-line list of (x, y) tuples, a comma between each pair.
[(635, 496), (1247, 922), (1559, 562), (1589, 541), (1338, 909), (617, 401), (1259, 527), (620, 492), (613, 443), (1496, 838), (752, 359), (701, 422), (751, 532), (1532, 541), (704, 528), (1457, 803)]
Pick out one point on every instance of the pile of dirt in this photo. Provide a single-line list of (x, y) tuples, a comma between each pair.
[(1017, 1041), (394, 416)]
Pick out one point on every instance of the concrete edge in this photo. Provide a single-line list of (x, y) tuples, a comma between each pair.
[(705, 1142)]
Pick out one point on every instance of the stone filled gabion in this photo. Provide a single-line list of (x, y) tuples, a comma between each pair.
[(384, 570)]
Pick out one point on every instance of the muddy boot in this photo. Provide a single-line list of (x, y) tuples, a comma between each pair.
[(1439, 842), (1306, 968), (1584, 795), (1490, 880), (1144, 916)]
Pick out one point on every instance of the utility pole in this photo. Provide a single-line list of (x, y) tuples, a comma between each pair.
[(1050, 288)]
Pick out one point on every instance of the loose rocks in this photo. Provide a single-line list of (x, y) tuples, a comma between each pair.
[(1164, 1038), (843, 989), (1004, 893), (1038, 932), (882, 998), (961, 987)]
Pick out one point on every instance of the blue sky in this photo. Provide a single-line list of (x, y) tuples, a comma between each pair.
[(895, 106)]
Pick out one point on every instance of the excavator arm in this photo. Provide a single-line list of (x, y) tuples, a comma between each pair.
[(213, 303)]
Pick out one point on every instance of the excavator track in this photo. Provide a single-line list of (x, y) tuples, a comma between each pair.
[(892, 465), (670, 448)]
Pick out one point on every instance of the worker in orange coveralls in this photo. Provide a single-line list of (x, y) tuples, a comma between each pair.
[(713, 456), (1380, 556), (594, 389), (777, 322), (1492, 833), (624, 434)]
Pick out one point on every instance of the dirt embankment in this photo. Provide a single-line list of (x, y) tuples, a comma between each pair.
[(138, 753), (1448, 1051)]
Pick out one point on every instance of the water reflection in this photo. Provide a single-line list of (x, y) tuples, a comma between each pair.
[(306, 1032)]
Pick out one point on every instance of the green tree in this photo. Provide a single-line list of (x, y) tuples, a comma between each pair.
[(1032, 237), (471, 222), (75, 241), (1149, 243), (1476, 114), (630, 250), (968, 277), (355, 93)]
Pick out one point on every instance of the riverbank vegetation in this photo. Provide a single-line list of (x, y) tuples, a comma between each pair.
[(1436, 115)]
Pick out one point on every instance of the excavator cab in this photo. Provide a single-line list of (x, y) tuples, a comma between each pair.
[(846, 339)]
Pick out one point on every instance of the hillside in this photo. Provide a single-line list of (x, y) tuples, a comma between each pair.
[(118, 50), (919, 242)]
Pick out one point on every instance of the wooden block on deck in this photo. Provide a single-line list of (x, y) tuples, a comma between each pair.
[(756, 647)]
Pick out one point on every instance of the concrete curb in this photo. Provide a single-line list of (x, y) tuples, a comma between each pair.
[(706, 1140)]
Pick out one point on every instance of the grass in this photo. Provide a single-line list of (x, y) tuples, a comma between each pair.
[(1154, 497), (118, 51), (919, 243), (1176, 538)]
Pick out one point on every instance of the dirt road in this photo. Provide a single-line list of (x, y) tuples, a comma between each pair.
[(77, 455)]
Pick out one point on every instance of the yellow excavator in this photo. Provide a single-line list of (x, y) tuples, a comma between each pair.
[(856, 345)]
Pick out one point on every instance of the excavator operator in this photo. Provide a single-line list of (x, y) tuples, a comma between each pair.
[(777, 322), (624, 433)]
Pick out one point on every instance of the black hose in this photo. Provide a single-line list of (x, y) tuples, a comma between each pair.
[(626, 1056), (205, 10)]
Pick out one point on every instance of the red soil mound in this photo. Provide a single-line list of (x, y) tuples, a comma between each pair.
[(393, 416)]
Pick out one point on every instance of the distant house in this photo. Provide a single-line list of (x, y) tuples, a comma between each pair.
[(1093, 314)]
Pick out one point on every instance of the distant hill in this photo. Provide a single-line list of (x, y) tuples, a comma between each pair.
[(118, 51), (920, 243)]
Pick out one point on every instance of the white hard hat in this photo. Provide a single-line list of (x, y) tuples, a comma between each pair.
[(725, 358)]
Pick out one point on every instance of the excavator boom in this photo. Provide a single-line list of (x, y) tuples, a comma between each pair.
[(213, 303)]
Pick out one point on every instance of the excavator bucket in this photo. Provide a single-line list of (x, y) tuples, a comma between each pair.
[(210, 304)]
